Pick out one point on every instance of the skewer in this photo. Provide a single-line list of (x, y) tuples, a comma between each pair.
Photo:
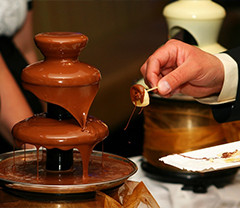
[(151, 89)]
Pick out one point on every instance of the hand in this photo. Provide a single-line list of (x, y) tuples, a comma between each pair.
[(180, 67)]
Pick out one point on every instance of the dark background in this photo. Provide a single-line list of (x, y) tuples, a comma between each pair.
[(122, 34)]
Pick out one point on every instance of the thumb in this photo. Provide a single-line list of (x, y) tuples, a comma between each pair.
[(174, 80), (163, 87)]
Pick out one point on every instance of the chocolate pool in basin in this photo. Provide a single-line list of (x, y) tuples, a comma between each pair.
[(65, 135)]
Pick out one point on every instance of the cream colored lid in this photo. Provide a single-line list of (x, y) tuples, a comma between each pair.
[(194, 9)]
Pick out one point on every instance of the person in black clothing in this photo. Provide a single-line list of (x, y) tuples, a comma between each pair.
[(16, 52), (177, 67)]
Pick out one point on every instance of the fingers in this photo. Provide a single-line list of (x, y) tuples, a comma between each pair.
[(158, 64), (151, 73), (169, 67), (179, 67)]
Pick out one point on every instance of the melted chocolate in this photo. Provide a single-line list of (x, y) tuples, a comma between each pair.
[(63, 80), (137, 92), (228, 154), (25, 170), (65, 135)]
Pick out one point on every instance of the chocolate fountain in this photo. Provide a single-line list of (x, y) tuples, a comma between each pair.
[(64, 161)]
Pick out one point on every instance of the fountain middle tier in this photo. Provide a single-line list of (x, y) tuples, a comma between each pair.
[(64, 134)]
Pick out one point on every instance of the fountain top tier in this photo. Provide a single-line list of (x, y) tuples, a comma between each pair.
[(61, 66), (63, 44), (61, 78)]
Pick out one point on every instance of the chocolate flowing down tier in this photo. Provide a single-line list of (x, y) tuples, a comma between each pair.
[(64, 135), (69, 86), (61, 78), (23, 172)]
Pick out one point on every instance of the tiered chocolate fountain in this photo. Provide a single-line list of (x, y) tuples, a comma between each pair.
[(67, 163)]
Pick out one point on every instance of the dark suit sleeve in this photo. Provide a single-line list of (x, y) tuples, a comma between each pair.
[(230, 111)]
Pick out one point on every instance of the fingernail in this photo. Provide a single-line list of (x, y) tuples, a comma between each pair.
[(164, 87)]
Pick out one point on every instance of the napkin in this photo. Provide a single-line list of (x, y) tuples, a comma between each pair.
[(208, 159)]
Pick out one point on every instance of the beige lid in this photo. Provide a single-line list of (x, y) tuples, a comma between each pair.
[(194, 9)]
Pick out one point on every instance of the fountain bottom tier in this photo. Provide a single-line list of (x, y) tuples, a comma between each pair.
[(59, 137), (25, 171)]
